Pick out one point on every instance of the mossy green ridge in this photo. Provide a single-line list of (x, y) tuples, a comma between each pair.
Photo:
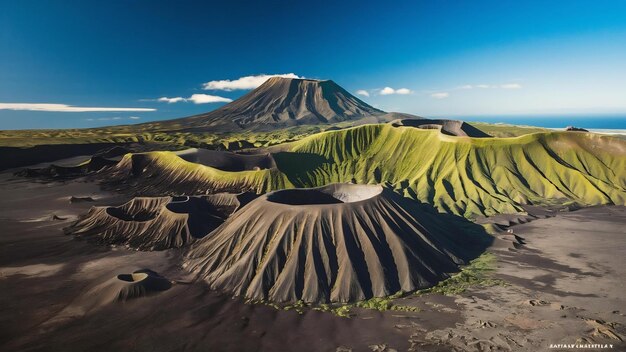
[(503, 130), (166, 173), (461, 175), (464, 176)]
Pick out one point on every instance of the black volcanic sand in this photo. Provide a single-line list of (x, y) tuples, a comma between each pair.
[(564, 286), (45, 275), (65, 157), (565, 283), (13, 157)]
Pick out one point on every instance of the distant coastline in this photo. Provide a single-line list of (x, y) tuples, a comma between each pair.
[(607, 131), (608, 124)]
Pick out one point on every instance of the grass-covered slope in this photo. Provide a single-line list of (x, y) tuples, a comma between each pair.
[(460, 175), (503, 130), (466, 176), (159, 173)]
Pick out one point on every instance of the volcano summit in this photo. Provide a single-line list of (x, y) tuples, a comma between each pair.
[(281, 102)]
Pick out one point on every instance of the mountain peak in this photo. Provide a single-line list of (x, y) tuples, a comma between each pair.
[(281, 102), (275, 79)]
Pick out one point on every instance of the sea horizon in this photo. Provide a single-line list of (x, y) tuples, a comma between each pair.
[(603, 122)]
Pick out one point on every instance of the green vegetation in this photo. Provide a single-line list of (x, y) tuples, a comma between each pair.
[(385, 303), (344, 310), (170, 140), (464, 176), (173, 140), (380, 304), (477, 274), (502, 130), (164, 169)]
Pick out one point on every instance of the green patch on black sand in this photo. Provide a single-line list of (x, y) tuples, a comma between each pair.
[(478, 273)]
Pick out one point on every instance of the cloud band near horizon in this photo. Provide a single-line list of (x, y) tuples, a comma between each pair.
[(65, 108), (196, 99)]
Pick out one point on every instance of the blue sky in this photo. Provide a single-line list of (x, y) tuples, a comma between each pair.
[(439, 58)]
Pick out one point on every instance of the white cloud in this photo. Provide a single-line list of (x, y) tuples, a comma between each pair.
[(440, 95), (511, 86), (247, 82), (196, 99), (171, 100), (389, 91), (62, 108), (363, 92), (467, 86), (206, 98)]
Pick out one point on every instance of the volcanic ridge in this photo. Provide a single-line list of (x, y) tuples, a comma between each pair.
[(450, 127)]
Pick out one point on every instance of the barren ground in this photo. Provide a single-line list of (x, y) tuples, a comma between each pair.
[(567, 284)]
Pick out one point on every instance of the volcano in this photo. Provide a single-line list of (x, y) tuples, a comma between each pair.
[(280, 102), (337, 243)]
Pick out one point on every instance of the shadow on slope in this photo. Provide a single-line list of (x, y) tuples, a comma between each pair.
[(228, 161), (298, 166)]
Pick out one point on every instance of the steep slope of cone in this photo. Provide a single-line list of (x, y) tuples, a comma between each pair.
[(337, 243), (157, 223), (279, 102)]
